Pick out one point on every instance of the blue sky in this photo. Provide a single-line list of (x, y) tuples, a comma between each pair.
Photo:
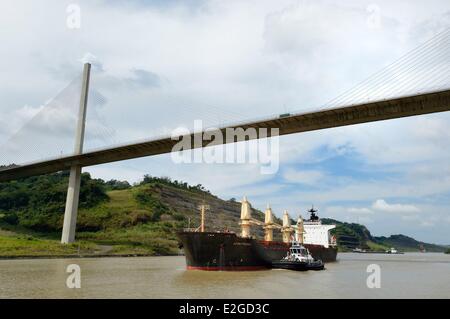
[(161, 64)]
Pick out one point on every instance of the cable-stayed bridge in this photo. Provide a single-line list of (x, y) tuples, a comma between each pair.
[(287, 124), (416, 84)]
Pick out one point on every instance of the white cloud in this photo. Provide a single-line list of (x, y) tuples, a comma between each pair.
[(360, 210), (303, 177), (382, 205), (93, 60), (409, 217), (427, 223)]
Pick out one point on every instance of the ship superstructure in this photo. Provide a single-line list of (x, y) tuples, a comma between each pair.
[(315, 233)]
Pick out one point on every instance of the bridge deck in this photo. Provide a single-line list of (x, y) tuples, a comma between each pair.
[(354, 114)]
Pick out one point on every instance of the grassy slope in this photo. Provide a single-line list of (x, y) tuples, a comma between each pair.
[(123, 226), (117, 235), (20, 244), (376, 246)]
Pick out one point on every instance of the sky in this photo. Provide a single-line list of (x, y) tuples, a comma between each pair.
[(159, 65)]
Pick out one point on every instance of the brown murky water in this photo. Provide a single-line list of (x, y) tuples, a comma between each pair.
[(402, 276)]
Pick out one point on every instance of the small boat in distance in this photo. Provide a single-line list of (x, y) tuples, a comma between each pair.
[(392, 250), (298, 258)]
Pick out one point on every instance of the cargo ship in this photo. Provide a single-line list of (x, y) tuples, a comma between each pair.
[(226, 250)]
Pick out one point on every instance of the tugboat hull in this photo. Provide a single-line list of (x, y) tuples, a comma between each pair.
[(298, 265), (290, 265)]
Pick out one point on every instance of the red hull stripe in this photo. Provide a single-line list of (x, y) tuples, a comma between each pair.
[(227, 268)]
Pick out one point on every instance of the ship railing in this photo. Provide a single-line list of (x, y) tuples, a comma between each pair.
[(197, 230)]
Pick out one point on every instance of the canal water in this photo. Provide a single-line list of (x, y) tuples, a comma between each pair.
[(412, 275)]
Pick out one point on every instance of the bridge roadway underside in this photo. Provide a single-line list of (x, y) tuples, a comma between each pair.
[(296, 123)]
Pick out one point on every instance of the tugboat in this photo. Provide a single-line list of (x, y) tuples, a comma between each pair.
[(298, 258)]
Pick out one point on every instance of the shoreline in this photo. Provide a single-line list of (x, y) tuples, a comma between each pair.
[(30, 257), (73, 256)]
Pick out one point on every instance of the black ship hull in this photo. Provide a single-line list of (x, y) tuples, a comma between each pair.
[(220, 251), (227, 251), (323, 253)]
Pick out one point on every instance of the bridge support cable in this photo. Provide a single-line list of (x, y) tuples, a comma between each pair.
[(422, 68)]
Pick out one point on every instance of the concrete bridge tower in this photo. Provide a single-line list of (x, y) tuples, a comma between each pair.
[(73, 191)]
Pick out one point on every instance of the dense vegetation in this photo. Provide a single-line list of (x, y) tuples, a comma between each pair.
[(123, 218), (350, 235), (38, 202), (148, 179), (406, 243)]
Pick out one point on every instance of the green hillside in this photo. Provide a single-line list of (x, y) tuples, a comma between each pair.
[(406, 243), (116, 218), (351, 235)]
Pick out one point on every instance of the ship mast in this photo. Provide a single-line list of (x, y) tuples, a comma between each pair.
[(202, 208), (246, 217), (268, 225), (299, 230), (286, 229)]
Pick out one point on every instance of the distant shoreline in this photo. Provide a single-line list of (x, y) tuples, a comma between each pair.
[(25, 257), (30, 257)]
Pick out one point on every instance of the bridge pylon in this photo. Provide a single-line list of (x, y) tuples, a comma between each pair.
[(73, 191)]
